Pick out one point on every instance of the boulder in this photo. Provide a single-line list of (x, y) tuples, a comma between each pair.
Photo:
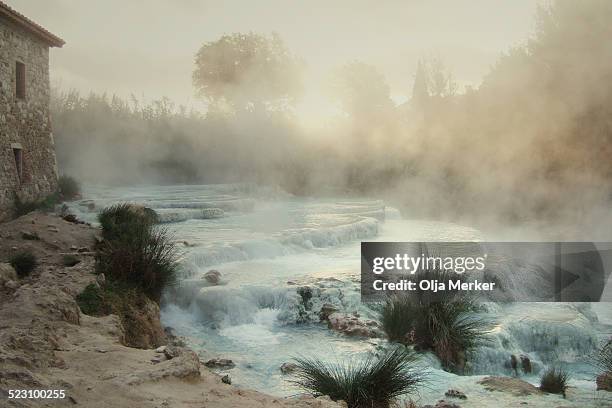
[(213, 276), (288, 368), (226, 379), (514, 363), (222, 363), (511, 385), (171, 352), (30, 236), (353, 326), (145, 330), (185, 366), (326, 310), (604, 381), (7, 273), (526, 364)]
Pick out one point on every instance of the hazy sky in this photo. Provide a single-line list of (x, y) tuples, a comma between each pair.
[(147, 47)]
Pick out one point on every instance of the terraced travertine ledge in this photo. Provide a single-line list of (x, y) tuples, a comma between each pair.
[(47, 343)]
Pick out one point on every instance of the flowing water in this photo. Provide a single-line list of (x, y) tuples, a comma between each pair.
[(281, 258)]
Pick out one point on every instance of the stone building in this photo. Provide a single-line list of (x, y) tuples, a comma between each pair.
[(28, 168)]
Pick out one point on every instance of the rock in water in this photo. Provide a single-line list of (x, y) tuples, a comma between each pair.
[(353, 326), (455, 394), (326, 310), (526, 364), (514, 364), (226, 379), (604, 381), (213, 276), (288, 368)]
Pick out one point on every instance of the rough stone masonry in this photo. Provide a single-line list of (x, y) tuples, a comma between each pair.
[(28, 168)]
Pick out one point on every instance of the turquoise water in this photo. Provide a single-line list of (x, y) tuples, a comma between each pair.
[(267, 244)]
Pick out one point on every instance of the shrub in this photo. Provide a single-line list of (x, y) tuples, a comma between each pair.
[(125, 219), (92, 301), (26, 207), (135, 252), (24, 263), (69, 188), (443, 323), (70, 260), (373, 382), (554, 380)]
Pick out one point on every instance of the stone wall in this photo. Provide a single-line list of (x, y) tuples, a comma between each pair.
[(24, 122)]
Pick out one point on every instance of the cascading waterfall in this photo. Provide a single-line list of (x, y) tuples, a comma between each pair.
[(282, 259)]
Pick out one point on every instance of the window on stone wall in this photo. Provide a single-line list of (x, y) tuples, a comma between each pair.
[(18, 152), (20, 80)]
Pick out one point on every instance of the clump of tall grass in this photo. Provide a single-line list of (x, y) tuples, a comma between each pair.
[(554, 381), (23, 207), (135, 251), (91, 301), (373, 382), (444, 323), (68, 187), (23, 263), (123, 219), (603, 358)]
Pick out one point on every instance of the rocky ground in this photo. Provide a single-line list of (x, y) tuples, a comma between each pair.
[(47, 343)]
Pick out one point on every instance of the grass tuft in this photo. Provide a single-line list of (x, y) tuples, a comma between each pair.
[(446, 324), (92, 301), (372, 383), (554, 381), (121, 220), (135, 252), (25, 207), (24, 263), (69, 188), (604, 357)]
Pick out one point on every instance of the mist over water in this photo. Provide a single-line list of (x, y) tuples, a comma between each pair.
[(277, 197), (530, 144), (270, 249)]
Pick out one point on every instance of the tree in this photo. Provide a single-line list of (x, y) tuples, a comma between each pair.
[(247, 72), (361, 90), (440, 82), (420, 93)]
